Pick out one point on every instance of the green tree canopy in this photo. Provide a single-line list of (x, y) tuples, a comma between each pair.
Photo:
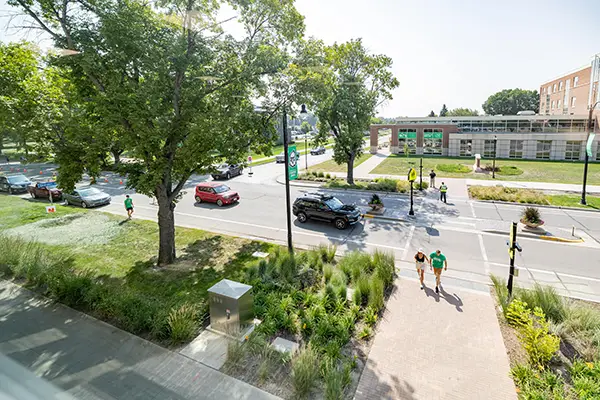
[(305, 127), (444, 111), (349, 89), (432, 114), (170, 83), (462, 112), (511, 101)]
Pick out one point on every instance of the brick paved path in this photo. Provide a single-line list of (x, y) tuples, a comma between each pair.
[(437, 347)]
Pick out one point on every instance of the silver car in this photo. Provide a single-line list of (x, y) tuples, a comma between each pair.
[(87, 197), (280, 158)]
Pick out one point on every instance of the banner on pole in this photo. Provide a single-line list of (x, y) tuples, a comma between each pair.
[(292, 162)]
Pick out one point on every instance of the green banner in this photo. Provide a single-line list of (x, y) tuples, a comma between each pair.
[(433, 135), (588, 147), (407, 135), (293, 162)]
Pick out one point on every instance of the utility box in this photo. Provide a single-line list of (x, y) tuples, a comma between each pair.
[(231, 307)]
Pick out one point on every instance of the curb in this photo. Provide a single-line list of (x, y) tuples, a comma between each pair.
[(541, 237), (390, 219), (533, 205)]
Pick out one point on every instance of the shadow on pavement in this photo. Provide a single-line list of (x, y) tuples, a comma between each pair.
[(451, 299)]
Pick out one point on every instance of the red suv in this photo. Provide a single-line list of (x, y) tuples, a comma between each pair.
[(214, 192)]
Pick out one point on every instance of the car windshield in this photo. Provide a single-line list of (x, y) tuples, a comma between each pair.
[(223, 166), (47, 185), (89, 192), (221, 189), (17, 178), (334, 203)]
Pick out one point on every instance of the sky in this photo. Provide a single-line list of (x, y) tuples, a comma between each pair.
[(454, 52)]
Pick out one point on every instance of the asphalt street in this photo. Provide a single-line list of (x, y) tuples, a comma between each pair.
[(459, 229)]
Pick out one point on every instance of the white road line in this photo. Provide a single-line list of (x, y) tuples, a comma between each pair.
[(472, 210), (578, 277), (484, 254), (408, 239)]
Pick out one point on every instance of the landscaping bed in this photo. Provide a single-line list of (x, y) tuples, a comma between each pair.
[(531, 196), (113, 277), (377, 185), (306, 299), (553, 343), (332, 166)]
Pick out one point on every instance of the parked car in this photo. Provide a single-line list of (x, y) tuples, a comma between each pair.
[(87, 197), (43, 190), (226, 171), (326, 208), (213, 192), (14, 183), (280, 158), (317, 150)]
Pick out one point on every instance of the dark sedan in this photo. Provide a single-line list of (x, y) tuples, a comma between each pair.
[(227, 171), (87, 197), (14, 183), (317, 150)]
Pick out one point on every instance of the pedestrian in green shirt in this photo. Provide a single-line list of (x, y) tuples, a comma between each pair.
[(437, 261), (443, 190), (128, 206)]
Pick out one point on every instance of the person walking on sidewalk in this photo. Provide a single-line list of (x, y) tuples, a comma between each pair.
[(443, 190), (432, 176), (128, 206), (437, 261), (420, 259)]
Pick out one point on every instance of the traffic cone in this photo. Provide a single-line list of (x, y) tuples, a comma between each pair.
[(106, 180), (41, 172), (121, 182), (25, 170)]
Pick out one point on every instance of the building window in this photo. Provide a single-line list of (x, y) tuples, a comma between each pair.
[(558, 104), (516, 149), (488, 149), (466, 147), (575, 81), (549, 89), (573, 99), (572, 150), (432, 141), (553, 104), (554, 88), (560, 86), (407, 137), (543, 149)]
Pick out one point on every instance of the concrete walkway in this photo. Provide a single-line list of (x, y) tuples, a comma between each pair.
[(93, 360), (429, 346), (366, 167)]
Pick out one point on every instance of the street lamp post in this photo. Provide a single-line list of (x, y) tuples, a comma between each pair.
[(288, 208), (494, 162), (305, 147), (587, 157)]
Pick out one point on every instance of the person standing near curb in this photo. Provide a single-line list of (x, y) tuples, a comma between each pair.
[(129, 206), (432, 176), (420, 259), (443, 190), (437, 261)]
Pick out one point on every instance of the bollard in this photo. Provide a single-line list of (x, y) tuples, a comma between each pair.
[(573, 231)]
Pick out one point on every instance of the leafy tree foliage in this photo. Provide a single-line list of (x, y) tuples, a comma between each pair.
[(462, 112), (444, 111), (169, 83), (432, 114), (511, 101), (348, 91), (305, 127)]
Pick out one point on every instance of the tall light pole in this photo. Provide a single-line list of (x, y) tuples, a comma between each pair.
[(494, 162), (591, 126)]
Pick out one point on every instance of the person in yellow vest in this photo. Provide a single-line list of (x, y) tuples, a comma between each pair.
[(443, 190)]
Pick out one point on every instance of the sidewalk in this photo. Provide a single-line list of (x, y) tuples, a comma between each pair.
[(437, 347), (371, 163), (93, 360)]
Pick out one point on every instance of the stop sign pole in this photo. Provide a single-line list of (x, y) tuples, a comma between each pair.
[(412, 176)]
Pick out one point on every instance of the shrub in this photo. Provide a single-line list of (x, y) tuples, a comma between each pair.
[(338, 279), (518, 314), (361, 291), (68, 287), (327, 252), (586, 379), (384, 266), (370, 316), (328, 272), (454, 168), (355, 264), (534, 385), (183, 322), (499, 193), (376, 293), (305, 371), (580, 319), (509, 170), (538, 343), (531, 214), (320, 174), (546, 298), (383, 185), (336, 379), (235, 352), (286, 266), (365, 333), (501, 292), (329, 297), (375, 199), (328, 175)]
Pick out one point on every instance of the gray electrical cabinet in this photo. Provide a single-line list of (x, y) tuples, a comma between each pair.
[(231, 306)]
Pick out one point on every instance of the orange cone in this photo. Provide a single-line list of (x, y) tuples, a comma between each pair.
[(41, 172), (106, 180), (25, 170), (121, 182)]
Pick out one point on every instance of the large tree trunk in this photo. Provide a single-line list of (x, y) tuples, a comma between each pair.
[(117, 156), (350, 174), (166, 228)]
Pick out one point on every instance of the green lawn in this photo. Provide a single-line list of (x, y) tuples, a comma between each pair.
[(532, 171), (331, 166), (279, 148), (126, 260)]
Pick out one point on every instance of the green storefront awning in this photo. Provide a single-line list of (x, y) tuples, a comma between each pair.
[(433, 135), (407, 135)]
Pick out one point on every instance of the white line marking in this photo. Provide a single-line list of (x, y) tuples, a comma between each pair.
[(408, 239), (472, 210), (484, 254), (578, 277)]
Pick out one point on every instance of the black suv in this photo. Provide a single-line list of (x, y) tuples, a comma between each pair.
[(325, 208)]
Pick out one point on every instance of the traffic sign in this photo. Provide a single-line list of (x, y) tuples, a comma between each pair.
[(50, 209), (412, 175)]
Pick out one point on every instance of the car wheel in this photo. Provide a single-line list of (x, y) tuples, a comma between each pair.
[(228, 176), (220, 203), (84, 204), (198, 199), (302, 217), (340, 224)]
